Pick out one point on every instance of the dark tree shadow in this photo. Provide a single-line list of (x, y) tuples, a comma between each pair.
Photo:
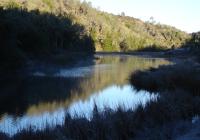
[(193, 44), (28, 36), (25, 35), (17, 94), (152, 48)]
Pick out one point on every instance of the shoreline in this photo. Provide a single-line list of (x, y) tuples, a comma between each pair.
[(141, 118)]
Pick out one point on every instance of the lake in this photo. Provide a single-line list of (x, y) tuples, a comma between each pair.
[(43, 98)]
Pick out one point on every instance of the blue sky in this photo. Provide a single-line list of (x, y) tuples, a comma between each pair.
[(183, 14)]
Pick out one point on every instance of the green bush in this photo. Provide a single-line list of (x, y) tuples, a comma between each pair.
[(107, 43), (123, 46)]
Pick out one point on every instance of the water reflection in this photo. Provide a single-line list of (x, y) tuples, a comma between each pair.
[(112, 97), (44, 98)]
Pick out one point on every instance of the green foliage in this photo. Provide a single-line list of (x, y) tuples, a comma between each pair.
[(123, 46), (132, 43), (107, 43), (12, 4), (49, 3), (136, 33), (93, 34)]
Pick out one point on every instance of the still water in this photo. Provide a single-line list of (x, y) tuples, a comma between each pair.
[(43, 99)]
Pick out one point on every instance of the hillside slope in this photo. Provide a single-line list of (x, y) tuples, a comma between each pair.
[(109, 32)]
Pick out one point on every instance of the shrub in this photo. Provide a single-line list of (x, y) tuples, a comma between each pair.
[(123, 46), (107, 43)]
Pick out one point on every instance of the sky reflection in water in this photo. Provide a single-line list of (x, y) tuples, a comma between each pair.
[(113, 97)]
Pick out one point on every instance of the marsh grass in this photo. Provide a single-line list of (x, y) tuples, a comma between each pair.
[(179, 76)]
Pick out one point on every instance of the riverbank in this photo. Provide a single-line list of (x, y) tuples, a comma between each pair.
[(169, 112)]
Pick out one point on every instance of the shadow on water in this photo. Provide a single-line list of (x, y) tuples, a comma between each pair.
[(29, 38), (48, 97), (19, 94)]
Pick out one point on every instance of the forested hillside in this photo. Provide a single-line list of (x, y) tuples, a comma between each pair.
[(109, 32)]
